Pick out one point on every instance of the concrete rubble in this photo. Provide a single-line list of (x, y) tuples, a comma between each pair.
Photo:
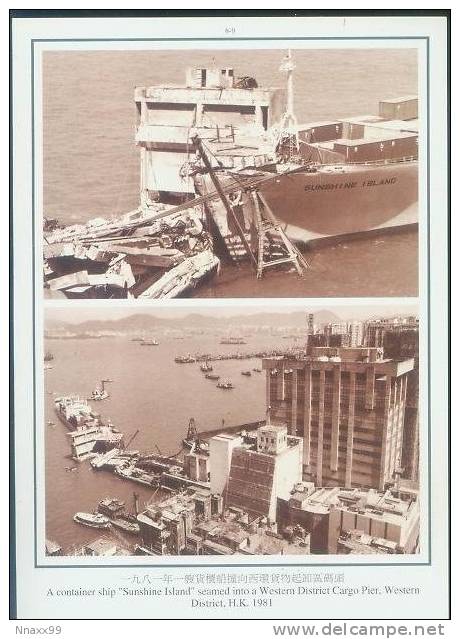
[(145, 253)]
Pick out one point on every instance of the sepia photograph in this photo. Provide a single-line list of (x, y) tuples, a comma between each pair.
[(229, 281), (236, 430), (230, 173)]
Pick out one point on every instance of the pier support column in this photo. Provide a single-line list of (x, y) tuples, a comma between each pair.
[(199, 114), (144, 112), (350, 430), (259, 115)]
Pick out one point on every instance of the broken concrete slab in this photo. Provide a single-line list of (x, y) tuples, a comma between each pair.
[(80, 278)]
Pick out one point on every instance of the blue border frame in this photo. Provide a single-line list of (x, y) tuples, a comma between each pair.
[(252, 564)]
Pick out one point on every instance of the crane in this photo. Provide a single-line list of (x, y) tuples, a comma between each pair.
[(126, 446)]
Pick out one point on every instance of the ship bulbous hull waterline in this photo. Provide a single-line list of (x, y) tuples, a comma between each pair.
[(352, 199)]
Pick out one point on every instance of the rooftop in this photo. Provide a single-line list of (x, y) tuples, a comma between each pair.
[(387, 506)]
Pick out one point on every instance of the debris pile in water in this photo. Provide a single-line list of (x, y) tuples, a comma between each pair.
[(145, 253)]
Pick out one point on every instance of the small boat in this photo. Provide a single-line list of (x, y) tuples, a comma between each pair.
[(212, 376), (124, 524), (206, 367), (50, 423), (185, 359), (247, 373), (92, 520), (111, 507), (150, 342), (48, 367), (232, 341), (225, 385), (100, 393), (257, 370), (48, 356)]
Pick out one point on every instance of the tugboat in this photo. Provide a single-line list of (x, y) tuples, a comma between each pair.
[(225, 385), (92, 520), (212, 376), (150, 342)]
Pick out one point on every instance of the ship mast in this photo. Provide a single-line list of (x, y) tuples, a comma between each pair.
[(288, 127)]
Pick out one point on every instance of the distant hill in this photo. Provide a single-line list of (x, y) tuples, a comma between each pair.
[(150, 322)]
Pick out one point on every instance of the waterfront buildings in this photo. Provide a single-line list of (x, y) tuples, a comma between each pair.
[(339, 519), (263, 469), (348, 405)]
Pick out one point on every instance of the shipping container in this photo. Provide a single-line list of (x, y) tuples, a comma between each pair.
[(353, 130), (365, 150), (321, 132), (405, 108)]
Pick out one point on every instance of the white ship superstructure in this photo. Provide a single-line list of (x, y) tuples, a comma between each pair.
[(233, 115)]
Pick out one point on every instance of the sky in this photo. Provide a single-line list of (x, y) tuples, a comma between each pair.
[(355, 309)]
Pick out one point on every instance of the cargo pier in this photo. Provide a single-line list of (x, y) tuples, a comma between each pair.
[(206, 357)]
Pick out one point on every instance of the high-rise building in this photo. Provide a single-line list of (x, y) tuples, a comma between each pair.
[(348, 404), (355, 334), (401, 341), (374, 333), (310, 324), (262, 470)]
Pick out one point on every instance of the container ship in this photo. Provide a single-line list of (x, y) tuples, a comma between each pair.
[(87, 432), (321, 179)]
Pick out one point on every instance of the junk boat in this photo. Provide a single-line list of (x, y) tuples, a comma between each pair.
[(48, 357), (225, 385), (321, 179), (212, 376), (92, 520)]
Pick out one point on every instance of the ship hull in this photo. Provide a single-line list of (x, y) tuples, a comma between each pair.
[(355, 200)]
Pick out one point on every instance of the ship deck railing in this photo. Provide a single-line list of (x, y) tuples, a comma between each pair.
[(410, 158)]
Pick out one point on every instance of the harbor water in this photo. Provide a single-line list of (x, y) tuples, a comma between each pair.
[(91, 163), (149, 392)]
